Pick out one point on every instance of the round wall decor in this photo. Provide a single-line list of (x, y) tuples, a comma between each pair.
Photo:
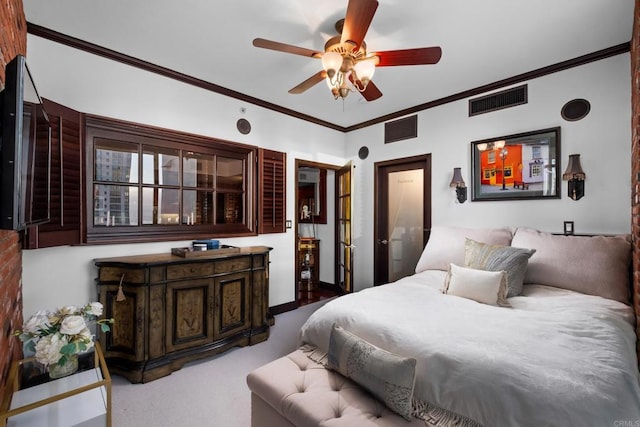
[(575, 109), (363, 152), (243, 125)]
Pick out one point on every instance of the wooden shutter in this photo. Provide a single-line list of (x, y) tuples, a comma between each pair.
[(272, 191), (66, 181)]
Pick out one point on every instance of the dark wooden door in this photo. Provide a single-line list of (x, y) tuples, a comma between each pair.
[(402, 216)]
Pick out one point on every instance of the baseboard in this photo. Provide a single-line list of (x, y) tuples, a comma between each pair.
[(332, 287), (283, 308)]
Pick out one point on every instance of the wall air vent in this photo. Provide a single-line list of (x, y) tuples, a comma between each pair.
[(498, 100), (400, 129)]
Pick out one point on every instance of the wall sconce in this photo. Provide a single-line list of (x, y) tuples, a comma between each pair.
[(575, 177), (458, 183)]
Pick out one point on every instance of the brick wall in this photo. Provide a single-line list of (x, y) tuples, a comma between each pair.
[(635, 163), (13, 41)]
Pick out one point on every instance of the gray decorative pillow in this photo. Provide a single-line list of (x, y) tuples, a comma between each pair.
[(499, 258), (387, 376)]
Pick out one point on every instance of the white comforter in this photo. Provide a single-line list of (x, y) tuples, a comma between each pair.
[(556, 358)]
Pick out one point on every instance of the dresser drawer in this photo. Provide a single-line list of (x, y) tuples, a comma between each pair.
[(182, 271), (114, 274), (235, 264)]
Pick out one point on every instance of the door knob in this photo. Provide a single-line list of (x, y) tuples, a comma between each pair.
[(384, 241)]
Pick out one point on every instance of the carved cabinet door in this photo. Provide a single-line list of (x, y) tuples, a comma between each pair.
[(189, 320), (126, 339), (232, 299)]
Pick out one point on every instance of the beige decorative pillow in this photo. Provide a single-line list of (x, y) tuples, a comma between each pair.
[(499, 258), (487, 287), (597, 265), (387, 376), (446, 245)]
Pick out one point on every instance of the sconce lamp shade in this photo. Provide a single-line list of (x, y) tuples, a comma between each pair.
[(574, 169), (457, 180), (458, 183), (575, 177)]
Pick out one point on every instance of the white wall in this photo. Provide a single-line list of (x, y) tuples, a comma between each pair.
[(602, 138), (91, 84), (65, 275)]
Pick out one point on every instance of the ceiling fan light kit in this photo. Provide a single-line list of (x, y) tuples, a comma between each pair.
[(346, 65)]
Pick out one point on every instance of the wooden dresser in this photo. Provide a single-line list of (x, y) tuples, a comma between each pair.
[(179, 309)]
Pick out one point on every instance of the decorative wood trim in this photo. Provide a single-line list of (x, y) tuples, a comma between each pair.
[(83, 45), (540, 72), (64, 39)]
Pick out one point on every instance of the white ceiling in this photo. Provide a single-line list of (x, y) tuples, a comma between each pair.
[(482, 42)]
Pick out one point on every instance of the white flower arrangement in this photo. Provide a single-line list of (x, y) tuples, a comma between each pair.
[(55, 335)]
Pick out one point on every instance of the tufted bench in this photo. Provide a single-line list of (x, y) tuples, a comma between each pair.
[(296, 391)]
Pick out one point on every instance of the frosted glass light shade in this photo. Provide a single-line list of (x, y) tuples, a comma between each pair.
[(331, 62), (364, 69)]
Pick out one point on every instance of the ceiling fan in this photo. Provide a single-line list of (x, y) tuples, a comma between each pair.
[(347, 66)]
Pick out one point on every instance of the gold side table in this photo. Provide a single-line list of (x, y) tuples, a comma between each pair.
[(33, 399)]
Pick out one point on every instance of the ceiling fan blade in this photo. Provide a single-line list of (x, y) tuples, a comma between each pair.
[(371, 93), (287, 48), (418, 56), (357, 20), (311, 81)]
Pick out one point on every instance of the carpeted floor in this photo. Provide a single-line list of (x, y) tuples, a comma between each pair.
[(211, 392)]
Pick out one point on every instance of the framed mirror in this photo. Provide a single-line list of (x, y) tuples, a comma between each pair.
[(514, 167), (312, 195)]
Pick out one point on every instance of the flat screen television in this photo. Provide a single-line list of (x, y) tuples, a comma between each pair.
[(25, 151)]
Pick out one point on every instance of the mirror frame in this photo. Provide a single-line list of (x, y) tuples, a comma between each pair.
[(486, 180)]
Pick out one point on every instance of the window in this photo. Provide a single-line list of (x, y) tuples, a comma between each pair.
[(536, 152), (154, 184), (491, 157)]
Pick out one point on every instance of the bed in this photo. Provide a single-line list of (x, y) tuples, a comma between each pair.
[(563, 354), (547, 340)]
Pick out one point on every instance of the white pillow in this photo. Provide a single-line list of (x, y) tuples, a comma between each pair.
[(446, 245), (487, 287)]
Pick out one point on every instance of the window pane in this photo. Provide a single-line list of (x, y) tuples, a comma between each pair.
[(160, 167), (116, 162), (115, 205), (229, 174), (229, 208), (197, 170), (160, 206), (197, 207)]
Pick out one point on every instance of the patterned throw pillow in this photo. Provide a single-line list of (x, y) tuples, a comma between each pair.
[(387, 376), (499, 258), (487, 287)]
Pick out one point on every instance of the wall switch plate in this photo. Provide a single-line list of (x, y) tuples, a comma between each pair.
[(568, 227), (288, 223)]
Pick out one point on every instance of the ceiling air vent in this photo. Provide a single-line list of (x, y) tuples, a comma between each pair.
[(498, 100), (400, 129)]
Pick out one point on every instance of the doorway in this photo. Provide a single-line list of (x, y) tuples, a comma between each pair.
[(316, 226), (402, 216)]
